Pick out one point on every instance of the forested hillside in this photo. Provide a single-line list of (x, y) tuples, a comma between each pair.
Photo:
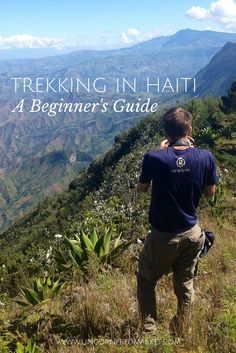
[(216, 77), (96, 295)]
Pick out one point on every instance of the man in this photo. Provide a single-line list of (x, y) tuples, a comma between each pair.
[(180, 173)]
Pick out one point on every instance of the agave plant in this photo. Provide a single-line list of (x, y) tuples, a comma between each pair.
[(106, 248), (29, 348), (40, 291)]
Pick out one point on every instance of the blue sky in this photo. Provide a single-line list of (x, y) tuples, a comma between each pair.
[(105, 24)]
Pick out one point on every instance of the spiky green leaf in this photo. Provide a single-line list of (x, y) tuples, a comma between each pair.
[(21, 302), (20, 348), (99, 247), (94, 237), (38, 285), (107, 242), (48, 281), (117, 241), (74, 246), (86, 243), (30, 295)]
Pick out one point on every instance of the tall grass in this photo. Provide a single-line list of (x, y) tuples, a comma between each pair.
[(100, 313)]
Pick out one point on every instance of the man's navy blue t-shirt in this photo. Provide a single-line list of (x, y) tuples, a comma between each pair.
[(178, 179)]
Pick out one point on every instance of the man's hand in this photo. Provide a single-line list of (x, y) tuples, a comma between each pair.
[(141, 187), (209, 190)]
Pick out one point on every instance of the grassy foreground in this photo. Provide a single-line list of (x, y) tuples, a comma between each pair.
[(100, 314)]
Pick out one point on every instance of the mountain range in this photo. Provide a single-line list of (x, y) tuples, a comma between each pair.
[(215, 78), (39, 154)]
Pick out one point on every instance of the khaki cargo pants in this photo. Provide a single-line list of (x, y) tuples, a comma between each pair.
[(164, 252)]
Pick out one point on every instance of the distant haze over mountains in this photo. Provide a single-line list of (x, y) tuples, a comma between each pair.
[(39, 154), (182, 37)]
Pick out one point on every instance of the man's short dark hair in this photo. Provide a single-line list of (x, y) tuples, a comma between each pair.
[(176, 122)]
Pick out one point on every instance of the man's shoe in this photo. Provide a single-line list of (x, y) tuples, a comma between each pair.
[(149, 326)]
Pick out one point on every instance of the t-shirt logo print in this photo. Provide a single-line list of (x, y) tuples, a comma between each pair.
[(180, 162)]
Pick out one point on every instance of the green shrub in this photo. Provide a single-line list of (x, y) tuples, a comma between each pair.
[(40, 291), (29, 348), (103, 246)]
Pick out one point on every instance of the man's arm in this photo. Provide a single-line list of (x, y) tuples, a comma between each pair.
[(143, 187), (211, 179), (146, 175), (209, 190)]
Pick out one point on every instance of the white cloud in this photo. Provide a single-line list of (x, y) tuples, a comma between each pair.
[(103, 40), (199, 13), (223, 12), (133, 35), (21, 41)]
